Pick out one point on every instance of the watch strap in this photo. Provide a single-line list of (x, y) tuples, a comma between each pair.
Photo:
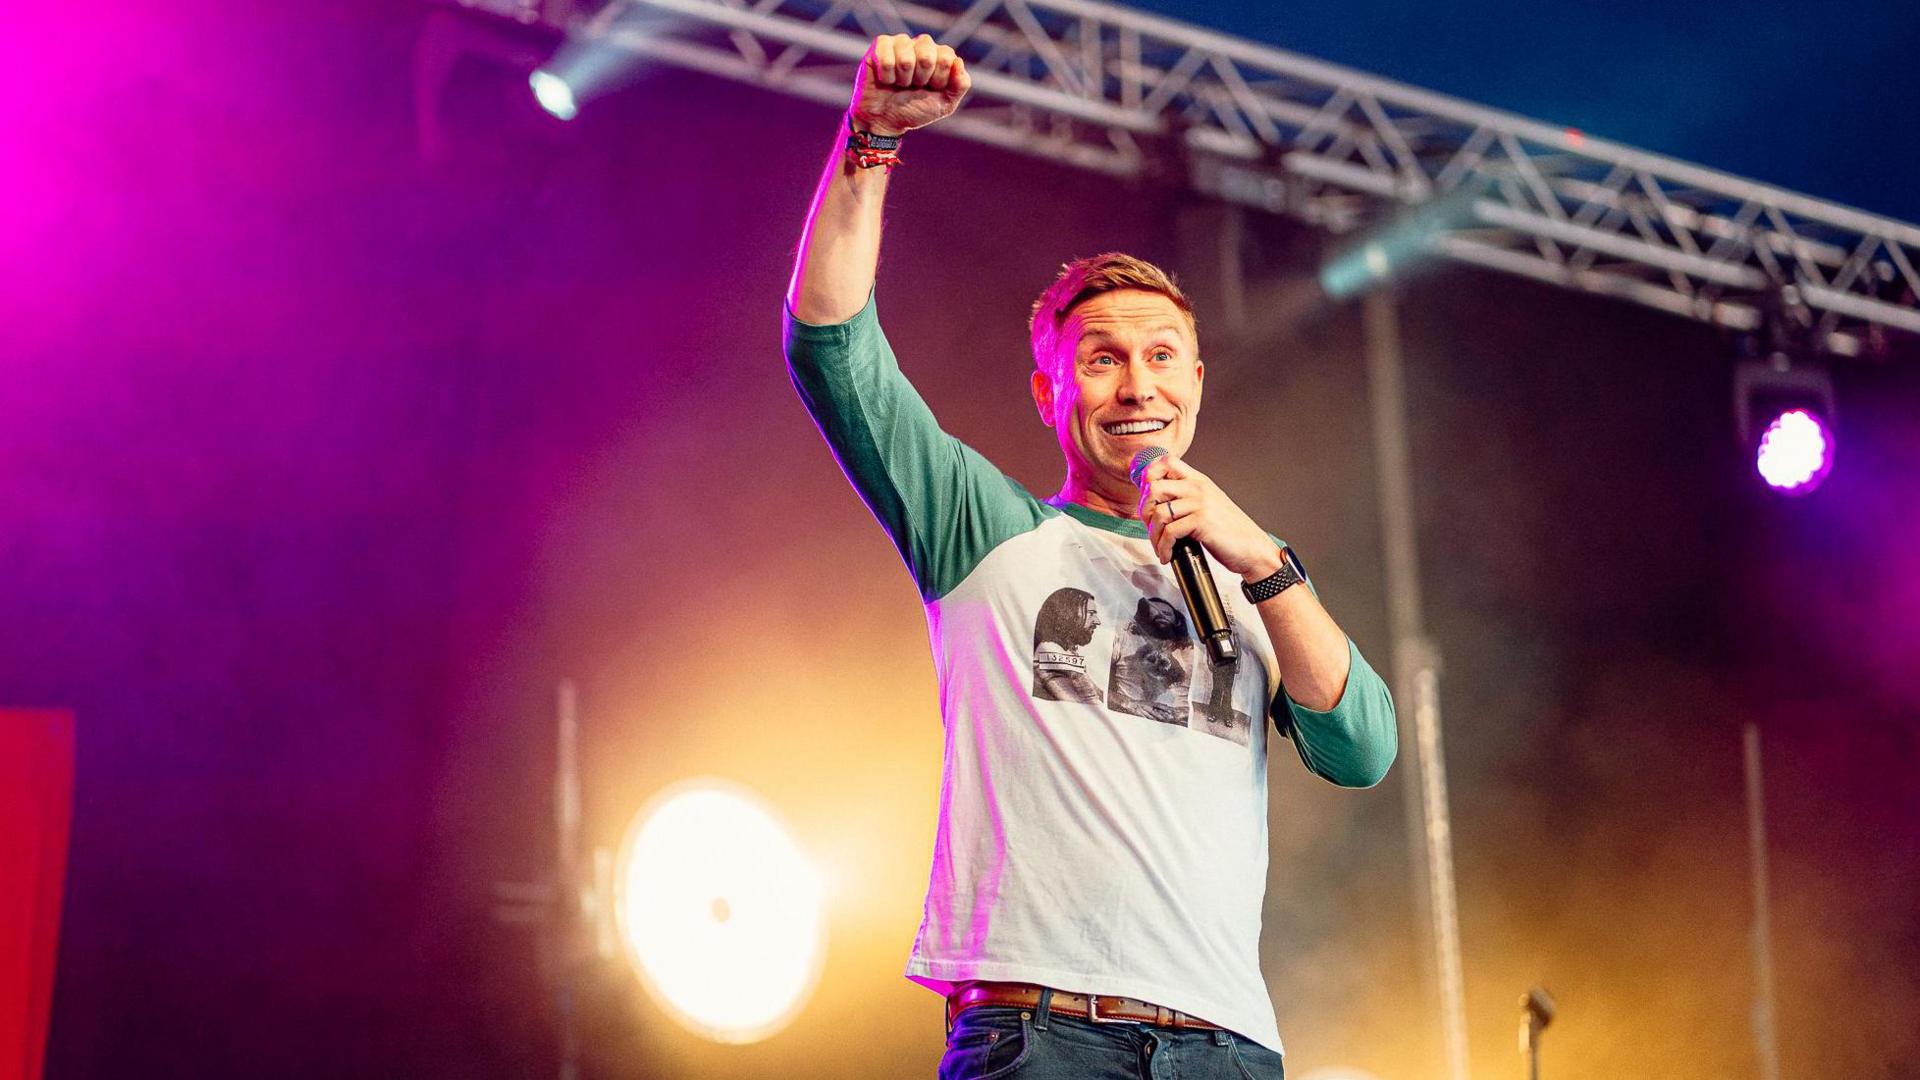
[(1289, 575)]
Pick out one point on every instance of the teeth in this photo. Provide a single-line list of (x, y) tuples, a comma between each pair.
[(1136, 427)]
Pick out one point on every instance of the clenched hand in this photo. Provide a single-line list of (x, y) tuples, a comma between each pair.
[(906, 83)]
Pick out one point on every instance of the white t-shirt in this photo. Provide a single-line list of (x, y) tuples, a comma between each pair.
[(1103, 804)]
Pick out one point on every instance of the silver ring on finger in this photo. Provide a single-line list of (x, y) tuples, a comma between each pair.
[(1171, 516)]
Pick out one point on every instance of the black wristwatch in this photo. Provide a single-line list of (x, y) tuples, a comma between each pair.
[(1291, 573)]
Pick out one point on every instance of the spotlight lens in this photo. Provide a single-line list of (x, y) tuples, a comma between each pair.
[(553, 94), (720, 911), (1796, 452), (1378, 263)]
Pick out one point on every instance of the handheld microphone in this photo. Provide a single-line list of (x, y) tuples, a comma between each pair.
[(1190, 570)]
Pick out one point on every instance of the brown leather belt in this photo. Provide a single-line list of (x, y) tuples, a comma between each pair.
[(1099, 1008)]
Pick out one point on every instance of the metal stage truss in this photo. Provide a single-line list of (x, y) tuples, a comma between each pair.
[(1103, 88)]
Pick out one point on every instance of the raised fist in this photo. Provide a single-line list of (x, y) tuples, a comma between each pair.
[(906, 83)]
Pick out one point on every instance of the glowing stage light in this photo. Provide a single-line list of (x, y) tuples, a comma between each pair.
[(553, 94), (1397, 247), (720, 911), (608, 52), (1795, 452), (1784, 410), (1359, 270)]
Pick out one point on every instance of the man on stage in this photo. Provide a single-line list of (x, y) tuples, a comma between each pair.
[(1094, 904)]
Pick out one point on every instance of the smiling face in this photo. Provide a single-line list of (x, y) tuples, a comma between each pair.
[(1125, 375)]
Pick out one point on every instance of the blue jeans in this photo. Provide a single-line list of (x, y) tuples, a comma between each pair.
[(998, 1042)]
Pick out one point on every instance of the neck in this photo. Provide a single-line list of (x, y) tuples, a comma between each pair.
[(1122, 501)]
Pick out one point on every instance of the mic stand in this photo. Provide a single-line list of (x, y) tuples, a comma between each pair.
[(1537, 1011)]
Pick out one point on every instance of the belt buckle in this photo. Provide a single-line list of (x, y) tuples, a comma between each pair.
[(1093, 1013)]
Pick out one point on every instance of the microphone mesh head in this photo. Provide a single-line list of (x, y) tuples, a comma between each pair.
[(1143, 459)]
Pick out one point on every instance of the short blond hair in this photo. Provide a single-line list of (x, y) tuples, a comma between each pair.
[(1085, 278)]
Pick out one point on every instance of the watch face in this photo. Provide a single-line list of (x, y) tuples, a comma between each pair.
[(1294, 558)]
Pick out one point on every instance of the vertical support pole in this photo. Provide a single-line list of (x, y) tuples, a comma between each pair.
[(566, 783), (1233, 270), (1765, 1034), (566, 821), (1416, 681), (1208, 238)]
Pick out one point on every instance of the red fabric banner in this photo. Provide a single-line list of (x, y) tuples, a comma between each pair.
[(36, 808)]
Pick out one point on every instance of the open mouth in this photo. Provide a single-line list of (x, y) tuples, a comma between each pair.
[(1133, 427)]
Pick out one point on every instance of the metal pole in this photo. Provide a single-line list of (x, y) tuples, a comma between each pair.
[(1233, 270), (566, 820), (556, 906), (1416, 666), (1765, 1035)]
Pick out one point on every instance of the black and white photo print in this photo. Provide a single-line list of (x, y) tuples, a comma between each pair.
[(1152, 658), (1064, 626)]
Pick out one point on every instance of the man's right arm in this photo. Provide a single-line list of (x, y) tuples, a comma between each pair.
[(943, 505), (904, 83)]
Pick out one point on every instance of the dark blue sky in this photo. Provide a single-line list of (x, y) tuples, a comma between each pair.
[(1819, 98)]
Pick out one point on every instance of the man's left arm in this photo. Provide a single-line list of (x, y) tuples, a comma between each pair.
[(1332, 704), (1338, 710)]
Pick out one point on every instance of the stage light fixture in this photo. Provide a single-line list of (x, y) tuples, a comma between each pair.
[(1784, 409), (1398, 247), (1795, 452), (720, 910), (553, 94)]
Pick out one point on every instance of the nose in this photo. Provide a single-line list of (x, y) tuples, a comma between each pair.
[(1136, 386)]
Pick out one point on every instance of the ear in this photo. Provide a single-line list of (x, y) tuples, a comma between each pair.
[(1199, 381), (1042, 387)]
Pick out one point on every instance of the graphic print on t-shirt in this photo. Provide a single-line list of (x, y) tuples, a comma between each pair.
[(1155, 668), (1152, 657), (1213, 710), (1064, 626)]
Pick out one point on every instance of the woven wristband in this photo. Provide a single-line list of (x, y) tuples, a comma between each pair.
[(870, 150)]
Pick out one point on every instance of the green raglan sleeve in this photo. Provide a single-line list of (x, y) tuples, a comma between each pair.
[(1355, 742), (943, 504)]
